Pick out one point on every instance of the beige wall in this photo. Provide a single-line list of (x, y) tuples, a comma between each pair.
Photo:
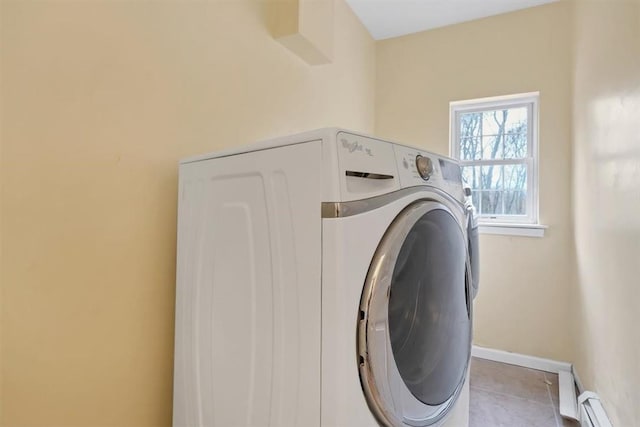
[(99, 101), (524, 297), (607, 203)]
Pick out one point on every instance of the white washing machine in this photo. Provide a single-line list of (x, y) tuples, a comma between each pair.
[(323, 279)]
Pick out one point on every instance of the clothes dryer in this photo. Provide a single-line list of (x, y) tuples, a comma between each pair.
[(323, 279)]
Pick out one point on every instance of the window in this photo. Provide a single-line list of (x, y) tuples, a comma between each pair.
[(495, 140)]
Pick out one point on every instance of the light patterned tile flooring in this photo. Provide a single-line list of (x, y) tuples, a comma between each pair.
[(512, 396)]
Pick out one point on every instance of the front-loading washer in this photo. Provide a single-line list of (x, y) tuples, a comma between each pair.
[(323, 279)]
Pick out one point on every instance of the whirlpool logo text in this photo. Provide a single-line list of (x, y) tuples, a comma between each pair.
[(354, 146)]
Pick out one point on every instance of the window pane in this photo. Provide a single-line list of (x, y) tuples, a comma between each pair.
[(475, 199), (471, 176), (515, 202), (516, 120), (515, 177), (491, 203), (470, 148), (493, 122), (470, 136), (470, 125), (504, 133), (515, 145), (492, 147), (507, 120), (491, 177)]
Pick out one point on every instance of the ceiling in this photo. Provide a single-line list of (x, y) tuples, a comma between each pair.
[(392, 18)]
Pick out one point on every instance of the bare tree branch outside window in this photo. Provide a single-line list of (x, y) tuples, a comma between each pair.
[(498, 188)]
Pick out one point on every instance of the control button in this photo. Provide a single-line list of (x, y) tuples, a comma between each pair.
[(424, 166), (405, 164)]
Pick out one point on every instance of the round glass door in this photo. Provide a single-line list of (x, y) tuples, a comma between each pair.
[(428, 319), (415, 329)]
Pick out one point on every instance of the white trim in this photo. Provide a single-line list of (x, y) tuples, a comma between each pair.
[(494, 100), (533, 362), (567, 404), (576, 378), (525, 230)]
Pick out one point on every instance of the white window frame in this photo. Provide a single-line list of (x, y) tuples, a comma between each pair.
[(508, 223)]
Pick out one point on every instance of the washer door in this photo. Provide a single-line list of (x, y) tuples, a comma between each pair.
[(474, 249), (414, 334)]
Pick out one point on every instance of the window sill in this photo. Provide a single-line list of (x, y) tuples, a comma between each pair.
[(525, 230)]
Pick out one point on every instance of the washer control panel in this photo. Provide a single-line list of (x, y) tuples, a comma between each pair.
[(418, 167)]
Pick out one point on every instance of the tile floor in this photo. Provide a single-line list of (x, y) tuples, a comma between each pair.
[(512, 396)]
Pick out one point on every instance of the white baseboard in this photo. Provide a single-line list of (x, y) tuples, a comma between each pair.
[(576, 378), (533, 362), (568, 403)]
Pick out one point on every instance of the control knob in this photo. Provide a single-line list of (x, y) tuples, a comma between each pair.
[(424, 166)]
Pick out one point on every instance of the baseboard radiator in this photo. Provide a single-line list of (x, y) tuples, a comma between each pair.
[(591, 412), (587, 408)]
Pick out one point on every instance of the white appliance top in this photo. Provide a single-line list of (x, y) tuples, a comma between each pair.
[(365, 166)]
